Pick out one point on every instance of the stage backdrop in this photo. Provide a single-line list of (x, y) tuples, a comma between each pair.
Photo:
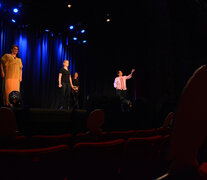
[(42, 56)]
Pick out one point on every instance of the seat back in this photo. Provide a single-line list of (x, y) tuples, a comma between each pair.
[(98, 160), (91, 137), (141, 158), (38, 141), (8, 125), (121, 134), (33, 164), (145, 133)]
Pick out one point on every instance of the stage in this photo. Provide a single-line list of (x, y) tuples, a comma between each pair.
[(32, 121)]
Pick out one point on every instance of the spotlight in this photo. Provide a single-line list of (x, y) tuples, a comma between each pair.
[(47, 30), (15, 10), (84, 41), (75, 38), (82, 31), (13, 20), (71, 27), (69, 5), (108, 20), (0, 4)]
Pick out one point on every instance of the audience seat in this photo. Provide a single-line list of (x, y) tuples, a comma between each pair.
[(35, 164), (141, 158), (202, 170), (121, 134), (38, 141), (89, 137), (97, 160)]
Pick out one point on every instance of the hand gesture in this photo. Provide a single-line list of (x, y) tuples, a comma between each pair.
[(132, 70), (2, 74)]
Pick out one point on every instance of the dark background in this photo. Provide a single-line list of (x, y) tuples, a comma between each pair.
[(164, 40)]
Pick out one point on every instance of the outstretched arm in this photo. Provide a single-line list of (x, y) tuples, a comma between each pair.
[(130, 75)]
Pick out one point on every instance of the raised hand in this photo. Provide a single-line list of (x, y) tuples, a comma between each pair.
[(132, 70)]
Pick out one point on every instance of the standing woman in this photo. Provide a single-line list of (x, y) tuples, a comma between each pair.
[(65, 83), (11, 72), (75, 90)]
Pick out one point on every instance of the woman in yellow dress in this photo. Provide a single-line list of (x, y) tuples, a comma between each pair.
[(11, 71)]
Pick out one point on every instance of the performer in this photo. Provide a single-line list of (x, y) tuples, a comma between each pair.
[(65, 83), (120, 83), (75, 91), (11, 72)]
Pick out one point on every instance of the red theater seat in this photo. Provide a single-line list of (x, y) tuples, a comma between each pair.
[(164, 162), (89, 137), (8, 125), (146, 133), (39, 141), (97, 160), (121, 134), (141, 158), (35, 164), (202, 170)]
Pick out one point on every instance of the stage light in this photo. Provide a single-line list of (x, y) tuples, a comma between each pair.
[(75, 38), (69, 5), (47, 30), (13, 20), (0, 4), (82, 31), (108, 20), (71, 27), (15, 10), (84, 41)]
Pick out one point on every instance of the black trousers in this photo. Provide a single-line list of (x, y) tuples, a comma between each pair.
[(121, 93), (65, 95), (75, 95)]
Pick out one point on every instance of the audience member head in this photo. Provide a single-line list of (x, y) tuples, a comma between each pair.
[(15, 99), (95, 121), (189, 128)]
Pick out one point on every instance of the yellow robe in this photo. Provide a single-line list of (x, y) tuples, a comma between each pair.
[(13, 74)]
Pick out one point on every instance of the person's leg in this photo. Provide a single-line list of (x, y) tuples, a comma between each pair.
[(76, 100), (68, 95), (124, 93), (118, 92), (10, 85), (63, 92)]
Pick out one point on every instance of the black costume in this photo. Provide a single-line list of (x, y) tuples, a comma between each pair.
[(66, 88), (75, 93)]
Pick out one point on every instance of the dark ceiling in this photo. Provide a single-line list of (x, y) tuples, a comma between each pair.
[(56, 14), (129, 19)]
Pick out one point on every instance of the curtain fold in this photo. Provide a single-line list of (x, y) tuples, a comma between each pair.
[(42, 56)]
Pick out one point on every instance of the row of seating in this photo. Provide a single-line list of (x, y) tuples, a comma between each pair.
[(37, 141), (140, 158)]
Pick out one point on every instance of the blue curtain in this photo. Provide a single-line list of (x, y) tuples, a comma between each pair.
[(42, 56)]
